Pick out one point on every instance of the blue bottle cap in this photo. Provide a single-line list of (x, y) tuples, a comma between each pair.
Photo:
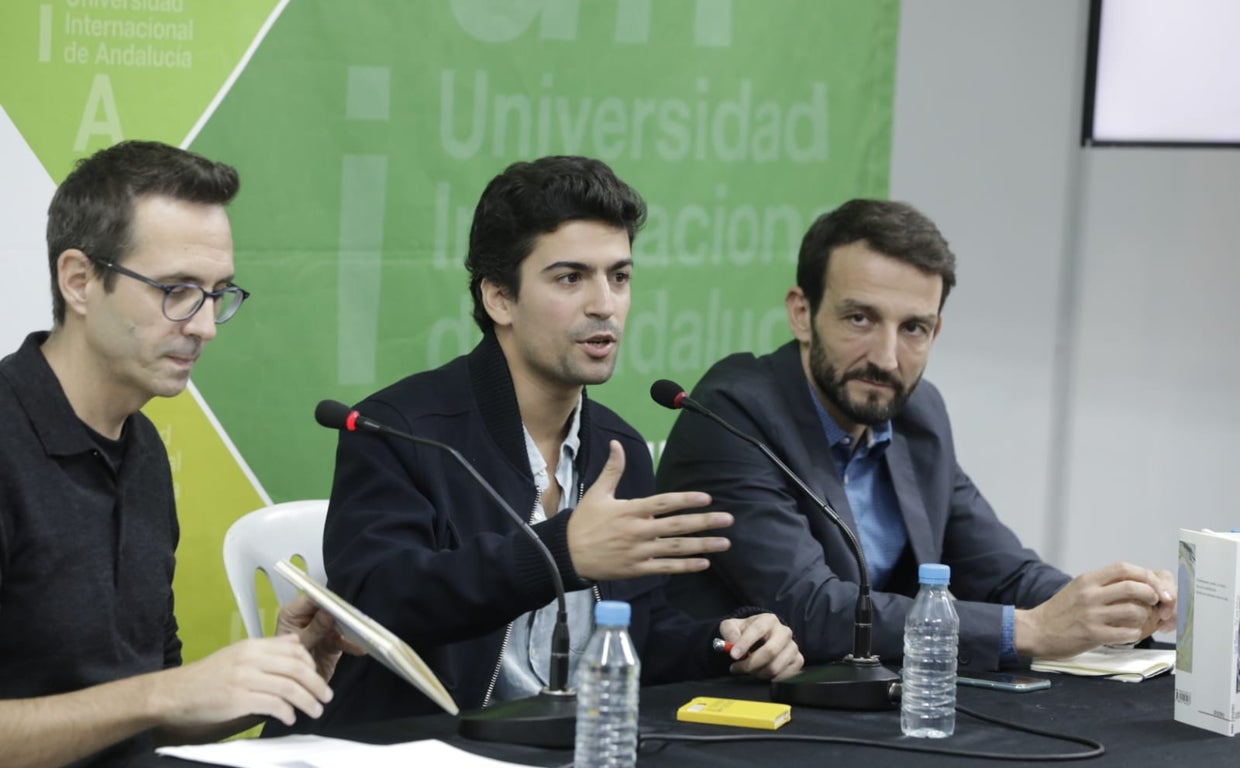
[(612, 613), (934, 573)]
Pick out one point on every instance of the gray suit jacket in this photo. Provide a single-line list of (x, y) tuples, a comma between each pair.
[(786, 554)]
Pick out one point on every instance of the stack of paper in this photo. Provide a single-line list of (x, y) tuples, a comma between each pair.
[(320, 752), (1130, 665)]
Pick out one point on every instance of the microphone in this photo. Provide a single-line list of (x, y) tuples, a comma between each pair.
[(858, 681), (548, 719)]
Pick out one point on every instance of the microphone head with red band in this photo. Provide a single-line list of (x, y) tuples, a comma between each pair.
[(667, 393), (334, 414), (547, 719)]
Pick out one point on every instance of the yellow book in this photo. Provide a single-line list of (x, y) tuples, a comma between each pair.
[(765, 715)]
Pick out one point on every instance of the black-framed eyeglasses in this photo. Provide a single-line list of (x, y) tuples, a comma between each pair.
[(183, 300)]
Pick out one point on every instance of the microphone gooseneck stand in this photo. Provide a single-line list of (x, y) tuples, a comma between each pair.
[(548, 719), (859, 681)]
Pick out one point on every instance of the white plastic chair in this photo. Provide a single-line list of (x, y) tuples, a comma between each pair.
[(257, 540)]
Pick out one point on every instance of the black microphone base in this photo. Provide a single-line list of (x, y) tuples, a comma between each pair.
[(546, 720), (847, 684)]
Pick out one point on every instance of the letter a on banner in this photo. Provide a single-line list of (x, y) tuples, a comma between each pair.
[(107, 125)]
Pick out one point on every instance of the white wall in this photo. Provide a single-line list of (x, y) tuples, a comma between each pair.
[(1089, 350), (984, 134), (25, 191), (1155, 433)]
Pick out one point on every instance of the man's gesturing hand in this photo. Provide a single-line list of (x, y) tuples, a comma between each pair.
[(612, 538)]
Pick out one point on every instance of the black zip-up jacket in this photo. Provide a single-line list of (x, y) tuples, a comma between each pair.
[(415, 543)]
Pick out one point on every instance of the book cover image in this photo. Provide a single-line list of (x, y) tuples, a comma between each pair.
[(1186, 584)]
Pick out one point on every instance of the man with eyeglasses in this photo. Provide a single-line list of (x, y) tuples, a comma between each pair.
[(183, 300), (90, 661)]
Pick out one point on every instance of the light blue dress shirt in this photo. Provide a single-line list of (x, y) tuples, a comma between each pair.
[(872, 497)]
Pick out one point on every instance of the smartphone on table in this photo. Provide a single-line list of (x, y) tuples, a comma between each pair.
[(1003, 681)]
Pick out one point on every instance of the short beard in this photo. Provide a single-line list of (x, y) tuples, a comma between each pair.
[(872, 412)]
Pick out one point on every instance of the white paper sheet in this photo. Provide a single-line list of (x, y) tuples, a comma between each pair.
[(320, 752)]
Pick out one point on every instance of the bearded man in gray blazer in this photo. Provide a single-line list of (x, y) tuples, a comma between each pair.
[(844, 406)]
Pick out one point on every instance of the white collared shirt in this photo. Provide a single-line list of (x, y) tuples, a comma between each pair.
[(526, 660)]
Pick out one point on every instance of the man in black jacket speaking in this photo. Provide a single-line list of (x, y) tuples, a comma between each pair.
[(417, 545)]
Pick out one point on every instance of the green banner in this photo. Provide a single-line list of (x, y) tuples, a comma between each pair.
[(81, 75), (365, 130)]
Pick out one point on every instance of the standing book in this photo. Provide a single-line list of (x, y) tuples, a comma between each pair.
[(1207, 665), (380, 642)]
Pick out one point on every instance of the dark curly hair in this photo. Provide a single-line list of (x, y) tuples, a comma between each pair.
[(530, 199)]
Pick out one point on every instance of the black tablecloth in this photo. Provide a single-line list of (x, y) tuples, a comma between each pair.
[(1133, 721)]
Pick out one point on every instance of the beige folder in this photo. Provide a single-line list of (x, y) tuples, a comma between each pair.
[(382, 645)]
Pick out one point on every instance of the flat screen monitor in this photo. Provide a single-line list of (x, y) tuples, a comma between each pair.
[(1163, 73)]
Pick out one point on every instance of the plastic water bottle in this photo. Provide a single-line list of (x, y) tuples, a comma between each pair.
[(931, 633), (608, 677)]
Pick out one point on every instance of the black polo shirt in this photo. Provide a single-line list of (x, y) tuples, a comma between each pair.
[(86, 549)]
